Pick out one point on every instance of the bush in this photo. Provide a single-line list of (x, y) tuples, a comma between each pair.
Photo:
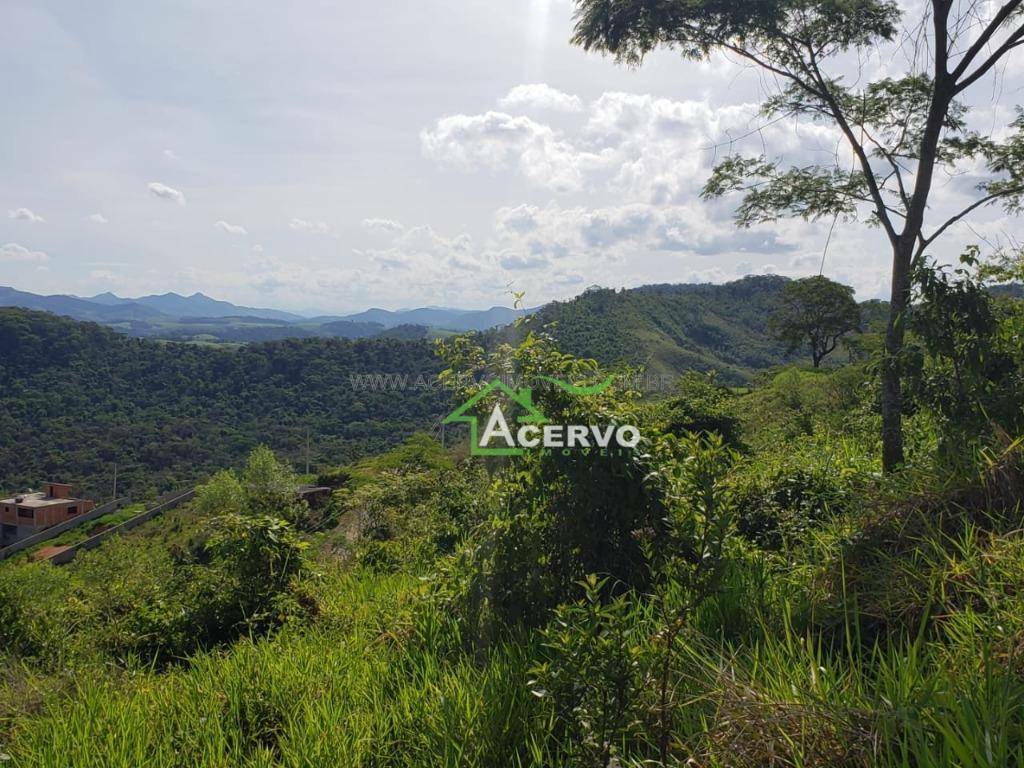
[(129, 601), (592, 676), (702, 406), (788, 504), (33, 624), (265, 487), (555, 516), (412, 518), (255, 562)]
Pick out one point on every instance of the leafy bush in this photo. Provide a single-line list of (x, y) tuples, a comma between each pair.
[(592, 675), (702, 406), (555, 516), (265, 486), (964, 369), (788, 504), (256, 560), (410, 519), (33, 625), (130, 600)]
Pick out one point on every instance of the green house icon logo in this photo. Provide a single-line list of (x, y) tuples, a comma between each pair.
[(520, 397)]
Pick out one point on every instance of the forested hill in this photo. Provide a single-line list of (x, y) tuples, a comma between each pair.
[(76, 397), (673, 328)]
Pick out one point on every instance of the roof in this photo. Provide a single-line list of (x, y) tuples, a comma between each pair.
[(37, 500)]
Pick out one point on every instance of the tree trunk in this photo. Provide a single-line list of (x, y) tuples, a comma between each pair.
[(892, 391)]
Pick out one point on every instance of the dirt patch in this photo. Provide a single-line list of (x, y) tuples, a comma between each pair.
[(47, 552)]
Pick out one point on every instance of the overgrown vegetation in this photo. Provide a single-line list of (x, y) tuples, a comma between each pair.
[(745, 588)]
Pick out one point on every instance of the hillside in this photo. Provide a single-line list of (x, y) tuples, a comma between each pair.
[(82, 398), (760, 598), (674, 328), (78, 397)]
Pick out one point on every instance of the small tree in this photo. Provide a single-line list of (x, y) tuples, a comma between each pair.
[(900, 129), (817, 311), (265, 486)]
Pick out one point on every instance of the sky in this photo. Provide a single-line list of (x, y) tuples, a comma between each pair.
[(323, 156)]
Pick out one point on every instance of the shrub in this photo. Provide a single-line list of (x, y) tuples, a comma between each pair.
[(702, 406), (787, 504), (556, 516), (33, 623), (412, 518), (221, 494), (265, 487), (254, 561), (592, 675), (129, 601)]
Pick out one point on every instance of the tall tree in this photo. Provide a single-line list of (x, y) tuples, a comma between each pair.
[(899, 130), (815, 311)]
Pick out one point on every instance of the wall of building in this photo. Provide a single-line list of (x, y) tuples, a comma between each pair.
[(26, 536), (53, 513)]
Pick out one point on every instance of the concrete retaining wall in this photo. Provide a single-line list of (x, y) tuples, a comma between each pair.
[(67, 555), (67, 525)]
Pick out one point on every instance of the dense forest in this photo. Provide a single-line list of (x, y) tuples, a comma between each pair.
[(83, 398), (674, 328), (77, 398)]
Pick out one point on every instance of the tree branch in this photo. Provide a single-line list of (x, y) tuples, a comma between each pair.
[(993, 26), (926, 241), (858, 149), (896, 169), (1015, 39)]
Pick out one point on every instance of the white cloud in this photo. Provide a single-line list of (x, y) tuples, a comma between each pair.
[(165, 192), (231, 229), (496, 140), (518, 220), (170, 154), (651, 156), (13, 252), (432, 257), (24, 214), (621, 229), (637, 146), (541, 96), (805, 262), (302, 225), (518, 261), (97, 218), (383, 225)]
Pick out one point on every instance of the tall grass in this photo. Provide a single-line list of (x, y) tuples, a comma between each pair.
[(367, 687), (381, 680)]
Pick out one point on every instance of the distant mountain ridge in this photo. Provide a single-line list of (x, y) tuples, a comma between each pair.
[(196, 305), (201, 318), (441, 317)]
